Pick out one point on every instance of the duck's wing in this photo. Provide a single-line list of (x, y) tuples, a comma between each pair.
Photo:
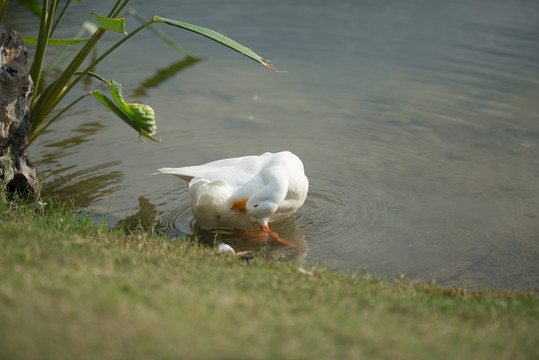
[(234, 171), (232, 175)]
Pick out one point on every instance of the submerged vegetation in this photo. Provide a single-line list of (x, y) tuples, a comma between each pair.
[(71, 289)]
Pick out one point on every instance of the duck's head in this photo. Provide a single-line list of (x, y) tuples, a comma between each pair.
[(263, 203), (260, 208), (256, 207)]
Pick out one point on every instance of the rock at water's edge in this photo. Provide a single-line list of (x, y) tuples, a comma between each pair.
[(16, 89)]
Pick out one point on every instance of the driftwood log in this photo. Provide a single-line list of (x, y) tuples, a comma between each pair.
[(16, 89)]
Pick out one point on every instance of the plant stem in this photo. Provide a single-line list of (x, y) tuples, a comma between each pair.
[(59, 88), (114, 8), (3, 4), (99, 59), (60, 17), (47, 14), (60, 59), (44, 125), (51, 95), (117, 10), (62, 91)]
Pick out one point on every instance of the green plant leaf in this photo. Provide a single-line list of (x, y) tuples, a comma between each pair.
[(116, 91), (142, 115), (110, 105), (215, 36), (31, 40), (116, 25), (139, 116)]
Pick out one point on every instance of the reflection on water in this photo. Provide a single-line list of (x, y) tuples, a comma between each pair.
[(417, 122), (258, 241), (163, 75), (179, 221), (144, 217), (87, 185)]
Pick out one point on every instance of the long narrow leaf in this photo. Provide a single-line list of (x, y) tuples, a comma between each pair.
[(33, 41), (215, 36)]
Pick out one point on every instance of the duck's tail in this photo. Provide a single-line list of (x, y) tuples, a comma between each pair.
[(174, 171)]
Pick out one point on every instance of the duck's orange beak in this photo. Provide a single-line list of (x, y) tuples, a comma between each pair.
[(240, 205)]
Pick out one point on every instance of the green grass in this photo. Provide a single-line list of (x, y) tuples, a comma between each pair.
[(69, 290)]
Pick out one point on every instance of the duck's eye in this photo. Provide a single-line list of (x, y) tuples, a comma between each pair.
[(255, 205)]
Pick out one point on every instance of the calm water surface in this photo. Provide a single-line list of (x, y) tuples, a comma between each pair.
[(417, 122)]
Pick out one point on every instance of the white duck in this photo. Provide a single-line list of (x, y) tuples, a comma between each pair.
[(245, 192)]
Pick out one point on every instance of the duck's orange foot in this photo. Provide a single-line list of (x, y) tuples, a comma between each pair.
[(252, 235), (276, 237)]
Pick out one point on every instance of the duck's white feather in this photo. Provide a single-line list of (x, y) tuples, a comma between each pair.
[(274, 184)]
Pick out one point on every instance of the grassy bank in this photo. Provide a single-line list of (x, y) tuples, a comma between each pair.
[(71, 291)]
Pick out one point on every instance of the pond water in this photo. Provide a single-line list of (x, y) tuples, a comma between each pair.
[(417, 122)]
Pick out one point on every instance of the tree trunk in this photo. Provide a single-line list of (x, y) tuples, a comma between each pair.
[(16, 89)]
